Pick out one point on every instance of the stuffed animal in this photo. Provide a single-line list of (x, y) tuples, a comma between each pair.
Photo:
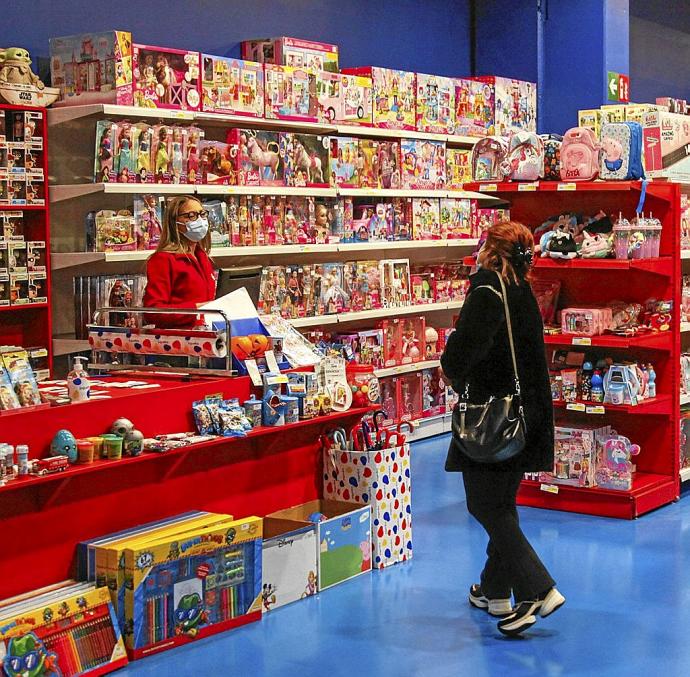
[(595, 246), (15, 68)]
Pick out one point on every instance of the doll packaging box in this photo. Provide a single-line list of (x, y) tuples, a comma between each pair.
[(258, 157), (435, 104), (458, 167), (426, 219), (166, 78), (368, 163), (515, 104), (92, 68), (666, 138), (394, 97), (344, 99), (423, 164), (284, 51), (343, 162), (388, 165), (305, 159), (232, 86), (474, 108), (290, 93), (455, 218)]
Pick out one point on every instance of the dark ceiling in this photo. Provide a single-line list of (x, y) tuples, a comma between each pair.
[(673, 13)]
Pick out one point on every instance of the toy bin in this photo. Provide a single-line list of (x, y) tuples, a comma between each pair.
[(343, 537), (382, 479), (289, 562)]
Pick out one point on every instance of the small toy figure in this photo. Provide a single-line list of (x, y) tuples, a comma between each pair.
[(268, 597), (27, 657)]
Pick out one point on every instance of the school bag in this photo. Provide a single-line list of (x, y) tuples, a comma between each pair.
[(579, 155), (552, 156), (489, 159), (525, 159), (621, 151)]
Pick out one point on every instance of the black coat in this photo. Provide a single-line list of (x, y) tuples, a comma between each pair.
[(478, 353)]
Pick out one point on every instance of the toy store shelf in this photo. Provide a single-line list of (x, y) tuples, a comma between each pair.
[(649, 341), (649, 491), (554, 186), (67, 346), (225, 120), (659, 406), (684, 474), (380, 132), (661, 266), (684, 327), (406, 368), (60, 260), (63, 192), (429, 427), (57, 116), (316, 321), (22, 306), (391, 192), (98, 466), (265, 190), (684, 399)]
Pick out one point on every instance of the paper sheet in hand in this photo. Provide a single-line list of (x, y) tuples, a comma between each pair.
[(237, 305)]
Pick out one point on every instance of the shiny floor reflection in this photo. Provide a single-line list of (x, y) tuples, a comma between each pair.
[(628, 609)]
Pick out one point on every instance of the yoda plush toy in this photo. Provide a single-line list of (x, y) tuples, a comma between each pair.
[(15, 68)]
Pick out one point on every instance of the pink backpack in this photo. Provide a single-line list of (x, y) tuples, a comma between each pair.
[(580, 155)]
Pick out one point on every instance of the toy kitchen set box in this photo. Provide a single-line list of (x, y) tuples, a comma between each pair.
[(667, 146)]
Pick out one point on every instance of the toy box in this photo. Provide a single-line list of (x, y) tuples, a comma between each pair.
[(613, 113), (92, 68), (69, 630), (290, 93), (114, 231), (148, 220), (395, 282), (402, 211), (455, 218), (364, 287), (367, 164), (515, 104), (590, 118), (409, 397), (189, 587), (217, 163), (289, 562), (671, 105), (333, 297), (422, 284), (423, 164), (388, 165), (458, 168), (35, 190), (426, 219), (635, 112), (343, 537), (124, 158), (411, 339), (343, 162), (666, 138), (105, 141), (232, 86), (394, 96), (474, 108), (435, 104), (161, 154), (166, 78), (284, 51), (482, 219), (433, 393), (258, 158), (371, 348), (305, 159), (299, 220), (392, 348), (344, 99)]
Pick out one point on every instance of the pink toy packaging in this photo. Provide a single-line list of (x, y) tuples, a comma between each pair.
[(402, 214), (422, 285), (409, 397), (411, 339), (389, 399), (371, 348), (458, 168), (195, 136), (161, 154), (300, 214), (365, 293), (666, 138), (259, 161), (368, 164), (474, 108), (232, 86), (395, 281), (435, 104), (615, 468), (166, 78), (388, 165), (92, 68), (433, 393), (426, 219), (344, 99), (392, 355), (142, 136), (455, 218), (284, 51), (423, 164), (217, 163), (394, 96), (515, 104), (290, 93), (305, 159), (343, 162)]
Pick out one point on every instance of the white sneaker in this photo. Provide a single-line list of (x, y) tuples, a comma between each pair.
[(552, 602), (495, 607)]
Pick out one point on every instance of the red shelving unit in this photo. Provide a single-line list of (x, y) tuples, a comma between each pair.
[(654, 424), (30, 325)]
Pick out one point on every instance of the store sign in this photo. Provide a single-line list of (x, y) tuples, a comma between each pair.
[(618, 87)]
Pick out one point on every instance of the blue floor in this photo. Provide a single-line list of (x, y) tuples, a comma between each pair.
[(627, 586)]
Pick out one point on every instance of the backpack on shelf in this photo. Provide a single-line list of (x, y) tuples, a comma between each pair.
[(489, 159), (525, 157), (579, 155), (621, 151), (552, 156)]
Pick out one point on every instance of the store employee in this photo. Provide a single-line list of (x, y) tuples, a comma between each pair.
[(180, 274)]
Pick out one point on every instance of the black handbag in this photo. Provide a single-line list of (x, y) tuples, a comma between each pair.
[(493, 431)]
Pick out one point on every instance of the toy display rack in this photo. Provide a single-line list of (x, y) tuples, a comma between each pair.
[(684, 327), (655, 423), (31, 324)]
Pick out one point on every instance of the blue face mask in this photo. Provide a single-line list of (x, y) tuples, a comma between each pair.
[(196, 230)]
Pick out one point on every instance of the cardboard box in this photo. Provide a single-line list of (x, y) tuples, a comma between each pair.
[(515, 104), (435, 104), (343, 538), (232, 86), (92, 68), (289, 562), (423, 164), (344, 99), (666, 143), (284, 51), (474, 108), (591, 118), (290, 93)]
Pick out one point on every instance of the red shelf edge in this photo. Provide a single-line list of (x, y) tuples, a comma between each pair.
[(650, 341), (23, 306), (651, 407)]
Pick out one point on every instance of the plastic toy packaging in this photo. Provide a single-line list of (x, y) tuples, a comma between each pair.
[(395, 280), (423, 164), (586, 321), (433, 393), (343, 162), (388, 164), (148, 219), (391, 342), (426, 219), (615, 467), (410, 337), (21, 377), (435, 104), (233, 419), (217, 163), (639, 239), (422, 284), (409, 397), (305, 158)]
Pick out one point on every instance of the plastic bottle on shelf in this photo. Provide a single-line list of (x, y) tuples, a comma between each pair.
[(22, 459), (78, 383), (597, 387), (651, 384), (586, 385)]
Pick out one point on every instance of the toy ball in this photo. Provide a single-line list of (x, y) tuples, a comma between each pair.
[(121, 427), (259, 343), (64, 444), (317, 517), (133, 444), (241, 347), (365, 389)]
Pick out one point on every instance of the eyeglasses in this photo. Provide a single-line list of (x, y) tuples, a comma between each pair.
[(192, 216)]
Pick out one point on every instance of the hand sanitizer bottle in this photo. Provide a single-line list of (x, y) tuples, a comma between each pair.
[(78, 384), (651, 384)]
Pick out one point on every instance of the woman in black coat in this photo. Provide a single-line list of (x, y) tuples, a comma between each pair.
[(477, 357)]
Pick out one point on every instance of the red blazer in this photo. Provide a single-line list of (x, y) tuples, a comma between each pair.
[(177, 280)]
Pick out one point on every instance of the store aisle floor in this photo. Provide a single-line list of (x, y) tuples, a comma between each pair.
[(628, 610)]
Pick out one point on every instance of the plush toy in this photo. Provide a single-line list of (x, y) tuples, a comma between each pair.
[(595, 246), (16, 68)]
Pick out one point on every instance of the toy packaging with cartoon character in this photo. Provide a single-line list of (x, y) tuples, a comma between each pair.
[(474, 108), (192, 585), (305, 159), (258, 160), (435, 104), (423, 164), (515, 104), (344, 99), (290, 93), (320, 56), (232, 86)]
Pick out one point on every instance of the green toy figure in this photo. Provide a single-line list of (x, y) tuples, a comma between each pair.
[(15, 68), (27, 657), (189, 615)]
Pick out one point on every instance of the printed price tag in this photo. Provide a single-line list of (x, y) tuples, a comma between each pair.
[(527, 187), (253, 371), (567, 186), (488, 187), (183, 115), (549, 488), (575, 406), (597, 409), (582, 341), (304, 248), (271, 361)]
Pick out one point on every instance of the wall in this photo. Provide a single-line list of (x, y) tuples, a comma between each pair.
[(430, 36)]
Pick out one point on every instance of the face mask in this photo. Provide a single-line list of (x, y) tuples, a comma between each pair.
[(196, 230)]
